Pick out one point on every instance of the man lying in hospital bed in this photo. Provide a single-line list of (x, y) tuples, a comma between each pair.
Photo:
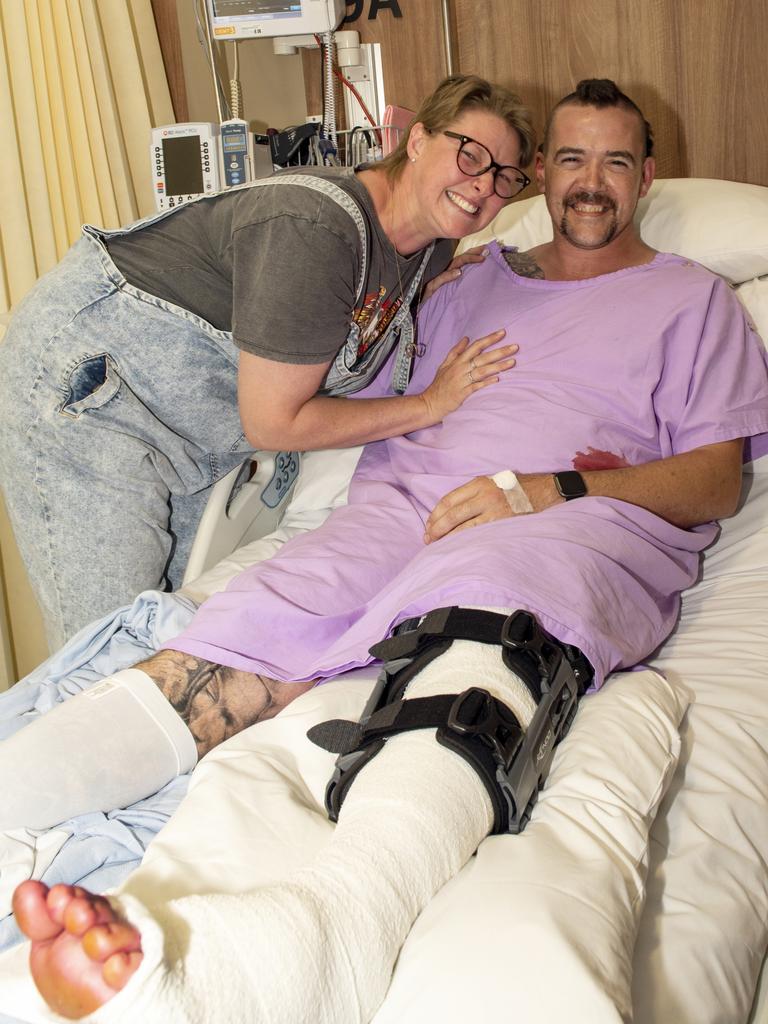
[(675, 393)]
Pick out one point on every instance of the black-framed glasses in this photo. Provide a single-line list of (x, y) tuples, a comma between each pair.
[(474, 159)]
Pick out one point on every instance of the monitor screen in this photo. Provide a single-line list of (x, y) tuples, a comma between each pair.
[(232, 12), (244, 19), (182, 165)]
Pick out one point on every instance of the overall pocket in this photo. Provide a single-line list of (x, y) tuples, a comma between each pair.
[(90, 385)]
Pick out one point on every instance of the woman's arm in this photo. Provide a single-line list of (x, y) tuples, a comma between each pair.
[(281, 410)]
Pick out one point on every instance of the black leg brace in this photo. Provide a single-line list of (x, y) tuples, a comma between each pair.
[(511, 763)]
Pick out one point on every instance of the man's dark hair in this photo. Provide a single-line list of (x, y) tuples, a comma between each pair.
[(600, 92)]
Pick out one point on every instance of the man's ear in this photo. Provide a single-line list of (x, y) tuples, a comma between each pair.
[(649, 173), (539, 170), (417, 137)]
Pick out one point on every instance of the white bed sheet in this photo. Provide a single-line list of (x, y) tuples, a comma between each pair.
[(703, 937)]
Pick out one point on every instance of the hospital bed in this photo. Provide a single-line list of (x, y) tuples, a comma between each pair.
[(640, 888)]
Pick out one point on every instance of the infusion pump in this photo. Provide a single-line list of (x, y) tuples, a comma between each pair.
[(197, 159)]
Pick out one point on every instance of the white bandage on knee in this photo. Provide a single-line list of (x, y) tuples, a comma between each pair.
[(105, 748), (413, 817), (322, 946), (516, 497)]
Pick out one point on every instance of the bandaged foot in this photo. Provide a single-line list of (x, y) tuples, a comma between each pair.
[(321, 947)]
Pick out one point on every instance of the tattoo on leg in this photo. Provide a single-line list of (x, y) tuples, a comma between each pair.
[(215, 701)]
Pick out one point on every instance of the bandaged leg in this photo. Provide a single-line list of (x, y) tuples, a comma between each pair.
[(107, 747), (321, 948)]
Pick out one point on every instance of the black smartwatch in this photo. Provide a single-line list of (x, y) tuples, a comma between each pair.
[(570, 484)]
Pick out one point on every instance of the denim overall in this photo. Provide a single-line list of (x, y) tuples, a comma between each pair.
[(118, 412)]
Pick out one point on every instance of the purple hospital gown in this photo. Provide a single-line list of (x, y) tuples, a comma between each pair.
[(623, 368)]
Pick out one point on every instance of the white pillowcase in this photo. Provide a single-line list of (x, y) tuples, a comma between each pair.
[(754, 297), (721, 224)]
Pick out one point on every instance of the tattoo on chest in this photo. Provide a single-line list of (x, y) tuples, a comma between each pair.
[(523, 264)]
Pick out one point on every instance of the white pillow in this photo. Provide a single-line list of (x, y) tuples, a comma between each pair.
[(754, 298), (721, 224)]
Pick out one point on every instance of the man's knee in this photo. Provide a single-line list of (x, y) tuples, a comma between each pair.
[(512, 757)]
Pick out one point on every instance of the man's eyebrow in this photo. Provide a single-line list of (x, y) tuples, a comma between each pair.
[(576, 151), (624, 153)]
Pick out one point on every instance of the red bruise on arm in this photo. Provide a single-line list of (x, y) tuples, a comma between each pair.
[(595, 458)]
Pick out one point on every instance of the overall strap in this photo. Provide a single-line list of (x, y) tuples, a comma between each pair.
[(403, 322), (339, 196)]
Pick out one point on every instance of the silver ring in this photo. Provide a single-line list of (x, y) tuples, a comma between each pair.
[(471, 378)]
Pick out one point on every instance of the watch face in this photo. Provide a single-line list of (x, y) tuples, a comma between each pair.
[(570, 485)]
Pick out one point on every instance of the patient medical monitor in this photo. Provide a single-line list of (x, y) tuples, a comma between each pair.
[(244, 19), (185, 163)]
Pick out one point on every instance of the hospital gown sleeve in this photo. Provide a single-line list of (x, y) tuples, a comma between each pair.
[(714, 386)]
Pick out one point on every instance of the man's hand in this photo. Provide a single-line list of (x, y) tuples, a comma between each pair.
[(453, 270), (482, 501)]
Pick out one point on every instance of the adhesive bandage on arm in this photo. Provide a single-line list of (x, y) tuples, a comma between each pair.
[(104, 748), (516, 497)]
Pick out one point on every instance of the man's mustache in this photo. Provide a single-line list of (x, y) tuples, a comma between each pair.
[(591, 198)]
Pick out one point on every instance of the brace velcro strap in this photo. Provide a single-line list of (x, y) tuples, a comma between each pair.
[(342, 737), (527, 648), (464, 714), (473, 724)]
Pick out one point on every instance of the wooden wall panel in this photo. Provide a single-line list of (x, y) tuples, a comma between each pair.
[(167, 23), (412, 48), (697, 68), (723, 87)]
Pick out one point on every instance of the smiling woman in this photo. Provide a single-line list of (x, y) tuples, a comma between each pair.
[(239, 322), (441, 197)]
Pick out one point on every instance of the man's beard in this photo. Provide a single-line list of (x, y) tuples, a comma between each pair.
[(590, 199)]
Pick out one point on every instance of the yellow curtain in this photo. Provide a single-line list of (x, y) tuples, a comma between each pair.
[(81, 85)]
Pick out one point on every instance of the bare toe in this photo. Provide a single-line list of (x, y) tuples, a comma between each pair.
[(119, 968), (59, 897), (32, 912), (85, 911), (105, 940), (89, 959)]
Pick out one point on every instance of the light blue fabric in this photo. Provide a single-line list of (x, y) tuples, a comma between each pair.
[(102, 848)]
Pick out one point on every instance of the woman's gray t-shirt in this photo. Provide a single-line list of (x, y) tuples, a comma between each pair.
[(277, 266)]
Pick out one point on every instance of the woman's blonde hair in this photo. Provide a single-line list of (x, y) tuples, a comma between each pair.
[(455, 95)]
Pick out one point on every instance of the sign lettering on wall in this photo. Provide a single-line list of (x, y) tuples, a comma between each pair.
[(355, 9)]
